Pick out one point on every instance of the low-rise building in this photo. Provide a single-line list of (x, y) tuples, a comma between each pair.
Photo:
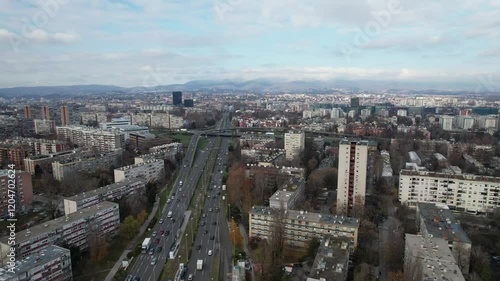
[(50, 264), (74, 229), (301, 226), (331, 261), (288, 195), (151, 170), (462, 192), (109, 192)]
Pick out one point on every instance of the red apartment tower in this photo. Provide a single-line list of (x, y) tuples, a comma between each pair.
[(27, 112), (64, 116), (45, 113)]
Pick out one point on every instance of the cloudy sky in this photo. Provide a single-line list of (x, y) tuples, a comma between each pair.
[(151, 42)]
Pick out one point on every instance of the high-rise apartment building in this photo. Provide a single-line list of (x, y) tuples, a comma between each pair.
[(177, 98), (64, 116), (23, 191), (45, 113), (352, 171), (27, 112), (294, 144), (446, 122)]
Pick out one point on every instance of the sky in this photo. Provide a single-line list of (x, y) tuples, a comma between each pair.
[(158, 42)]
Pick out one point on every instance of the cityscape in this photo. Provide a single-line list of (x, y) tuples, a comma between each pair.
[(249, 141)]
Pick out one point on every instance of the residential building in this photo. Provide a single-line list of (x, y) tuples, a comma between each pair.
[(289, 194), (177, 98), (162, 152), (74, 229), (40, 146), (462, 192), (27, 112), (151, 170), (176, 122), (331, 261), (86, 163), (301, 226), (437, 221), (50, 264), (294, 144), (15, 154), (352, 172), (44, 126), (143, 142), (106, 193), (115, 122), (126, 130), (22, 189), (427, 258), (336, 113), (103, 140), (64, 116), (446, 122), (45, 113)]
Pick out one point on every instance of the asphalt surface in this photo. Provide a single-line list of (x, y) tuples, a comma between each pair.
[(180, 197)]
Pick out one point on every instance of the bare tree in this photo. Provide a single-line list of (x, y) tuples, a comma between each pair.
[(461, 252), (413, 270)]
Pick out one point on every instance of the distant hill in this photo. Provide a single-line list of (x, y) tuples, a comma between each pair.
[(264, 85)]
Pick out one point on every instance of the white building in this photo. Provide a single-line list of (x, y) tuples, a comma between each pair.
[(402, 112), (294, 144), (336, 113), (288, 195), (470, 193), (351, 183), (151, 170), (103, 140), (366, 112), (44, 127), (51, 264), (74, 229), (115, 122), (106, 193), (446, 122)]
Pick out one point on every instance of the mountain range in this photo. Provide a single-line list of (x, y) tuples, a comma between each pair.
[(262, 85)]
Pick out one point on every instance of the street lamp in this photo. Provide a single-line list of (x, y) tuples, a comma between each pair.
[(186, 249)]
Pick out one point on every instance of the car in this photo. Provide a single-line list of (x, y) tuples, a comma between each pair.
[(190, 277), (202, 223), (209, 252), (152, 250), (129, 278), (206, 231), (198, 247), (210, 210), (153, 260), (161, 221), (208, 196), (173, 220), (178, 200), (169, 200), (137, 278), (214, 223), (212, 237), (159, 249), (218, 193), (157, 240), (173, 193), (153, 234), (185, 166), (162, 231), (204, 215)]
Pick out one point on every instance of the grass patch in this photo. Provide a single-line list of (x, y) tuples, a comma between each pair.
[(215, 268), (181, 137)]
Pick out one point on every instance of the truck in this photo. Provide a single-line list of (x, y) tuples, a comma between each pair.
[(145, 245), (199, 264)]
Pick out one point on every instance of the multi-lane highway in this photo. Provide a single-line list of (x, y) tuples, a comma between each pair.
[(167, 229)]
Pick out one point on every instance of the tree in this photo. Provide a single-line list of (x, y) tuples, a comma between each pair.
[(235, 234), (413, 270), (480, 262), (142, 216), (129, 227), (151, 191), (396, 276), (461, 252), (98, 248), (312, 248), (363, 273)]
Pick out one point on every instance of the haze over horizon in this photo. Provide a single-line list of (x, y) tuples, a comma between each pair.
[(147, 43)]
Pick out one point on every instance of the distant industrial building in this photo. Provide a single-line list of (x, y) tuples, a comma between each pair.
[(177, 98), (74, 229), (23, 192), (301, 226), (106, 193), (50, 264)]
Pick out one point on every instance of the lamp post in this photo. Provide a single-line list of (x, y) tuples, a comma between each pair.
[(186, 249)]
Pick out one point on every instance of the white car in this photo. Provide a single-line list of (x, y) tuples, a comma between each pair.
[(209, 252)]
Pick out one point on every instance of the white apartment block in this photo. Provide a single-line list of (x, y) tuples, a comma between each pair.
[(351, 182), (336, 113), (103, 140), (87, 164), (288, 195), (294, 144), (106, 193), (446, 122), (151, 170), (51, 264), (300, 227), (41, 146), (115, 122), (74, 229), (468, 193), (176, 122), (44, 126)]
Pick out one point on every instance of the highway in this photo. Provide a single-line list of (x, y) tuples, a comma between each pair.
[(180, 197)]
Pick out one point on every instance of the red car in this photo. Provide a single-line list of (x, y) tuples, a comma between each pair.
[(157, 240), (162, 231)]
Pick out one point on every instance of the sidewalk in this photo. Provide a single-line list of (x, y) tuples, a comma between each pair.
[(132, 243), (249, 254)]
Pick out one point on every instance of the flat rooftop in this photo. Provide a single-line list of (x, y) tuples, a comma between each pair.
[(44, 256), (104, 189), (331, 260), (435, 256), (440, 222), (58, 223), (450, 176), (360, 142), (149, 161), (309, 217)]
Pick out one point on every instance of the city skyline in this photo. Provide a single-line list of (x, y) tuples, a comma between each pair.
[(147, 43)]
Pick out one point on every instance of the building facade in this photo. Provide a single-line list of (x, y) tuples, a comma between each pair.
[(352, 172), (103, 140), (64, 116), (294, 144), (151, 170), (87, 164), (300, 227), (23, 191), (467, 193)]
